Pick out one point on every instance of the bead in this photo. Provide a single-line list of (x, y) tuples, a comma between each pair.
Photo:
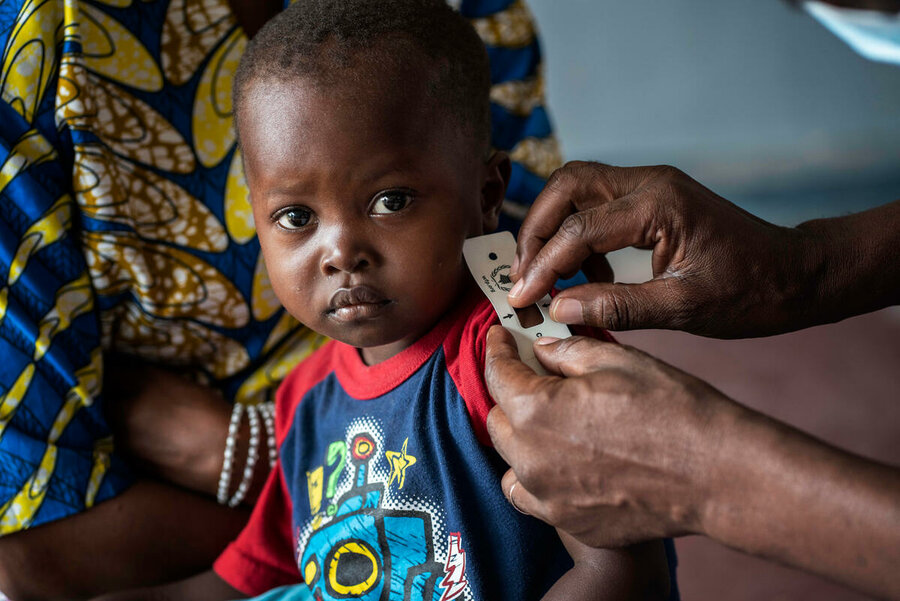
[(225, 475), (268, 413), (252, 456)]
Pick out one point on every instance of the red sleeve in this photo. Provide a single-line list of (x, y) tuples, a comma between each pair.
[(464, 348), (262, 556)]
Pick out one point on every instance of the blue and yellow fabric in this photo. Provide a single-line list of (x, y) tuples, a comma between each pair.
[(125, 224)]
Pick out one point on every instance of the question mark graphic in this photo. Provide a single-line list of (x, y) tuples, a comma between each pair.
[(335, 450)]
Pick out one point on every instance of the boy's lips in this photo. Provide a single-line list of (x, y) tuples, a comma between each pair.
[(358, 302)]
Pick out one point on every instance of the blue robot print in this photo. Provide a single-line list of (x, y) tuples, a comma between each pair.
[(371, 553)]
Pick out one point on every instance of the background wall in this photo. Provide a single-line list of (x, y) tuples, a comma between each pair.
[(763, 105), (750, 97)]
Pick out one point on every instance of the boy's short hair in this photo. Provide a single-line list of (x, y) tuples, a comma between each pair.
[(328, 40)]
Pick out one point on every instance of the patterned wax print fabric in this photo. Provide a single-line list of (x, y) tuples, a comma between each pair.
[(125, 224)]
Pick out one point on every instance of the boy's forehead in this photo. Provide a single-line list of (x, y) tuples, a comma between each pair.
[(293, 128), (390, 101)]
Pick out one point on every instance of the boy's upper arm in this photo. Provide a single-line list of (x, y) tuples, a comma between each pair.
[(262, 557), (465, 362), (640, 571)]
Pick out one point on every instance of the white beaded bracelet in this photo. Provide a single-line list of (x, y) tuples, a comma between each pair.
[(252, 457), (228, 460), (267, 410)]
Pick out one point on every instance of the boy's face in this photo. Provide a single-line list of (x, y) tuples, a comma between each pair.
[(362, 200)]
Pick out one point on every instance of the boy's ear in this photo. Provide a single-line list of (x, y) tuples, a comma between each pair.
[(493, 191)]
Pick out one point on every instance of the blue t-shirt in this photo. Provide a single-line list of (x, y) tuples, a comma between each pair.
[(386, 481)]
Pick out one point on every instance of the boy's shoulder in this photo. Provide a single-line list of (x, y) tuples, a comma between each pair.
[(464, 353), (302, 378)]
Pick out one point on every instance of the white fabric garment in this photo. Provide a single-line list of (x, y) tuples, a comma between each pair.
[(872, 34)]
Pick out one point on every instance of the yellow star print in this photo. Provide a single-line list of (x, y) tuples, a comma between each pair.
[(399, 463)]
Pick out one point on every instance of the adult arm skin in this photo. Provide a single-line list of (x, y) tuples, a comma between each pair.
[(717, 270), (174, 429), (150, 533), (625, 448)]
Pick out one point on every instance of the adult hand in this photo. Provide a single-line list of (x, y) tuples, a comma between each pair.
[(626, 448), (615, 452), (717, 270)]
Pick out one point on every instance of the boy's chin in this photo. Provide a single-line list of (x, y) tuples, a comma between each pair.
[(371, 340)]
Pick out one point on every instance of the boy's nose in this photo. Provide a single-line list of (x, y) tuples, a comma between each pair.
[(345, 253), (344, 263)]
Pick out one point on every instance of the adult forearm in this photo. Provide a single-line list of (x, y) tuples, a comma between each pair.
[(150, 533), (783, 495), (852, 265)]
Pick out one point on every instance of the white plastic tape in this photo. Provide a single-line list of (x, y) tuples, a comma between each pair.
[(489, 259)]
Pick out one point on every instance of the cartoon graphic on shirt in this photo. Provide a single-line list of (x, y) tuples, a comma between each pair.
[(399, 464), (454, 581), (358, 546)]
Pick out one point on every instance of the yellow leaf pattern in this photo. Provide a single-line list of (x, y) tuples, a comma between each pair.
[(265, 303), (72, 300), (297, 348), (238, 212), (30, 56), (539, 155), (52, 226), (171, 283), (157, 208), (31, 149), (10, 400), (132, 128), (111, 50), (19, 512), (212, 121), (519, 96)]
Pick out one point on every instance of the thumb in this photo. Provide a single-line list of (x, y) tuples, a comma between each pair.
[(652, 304)]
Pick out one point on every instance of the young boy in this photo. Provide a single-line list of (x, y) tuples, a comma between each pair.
[(364, 129)]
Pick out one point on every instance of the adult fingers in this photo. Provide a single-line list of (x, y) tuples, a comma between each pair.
[(556, 201), (575, 186), (507, 378), (578, 355), (598, 269), (501, 433), (520, 497), (652, 304), (618, 224)]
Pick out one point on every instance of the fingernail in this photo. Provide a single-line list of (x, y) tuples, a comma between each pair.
[(566, 310), (546, 340), (515, 265), (517, 289)]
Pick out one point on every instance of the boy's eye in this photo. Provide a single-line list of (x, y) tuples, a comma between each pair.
[(391, 202), (294, 218)]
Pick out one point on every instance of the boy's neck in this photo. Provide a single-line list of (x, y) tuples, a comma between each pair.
[(374, 355)]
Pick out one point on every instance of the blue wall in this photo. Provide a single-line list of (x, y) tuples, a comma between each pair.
[(755, 99)]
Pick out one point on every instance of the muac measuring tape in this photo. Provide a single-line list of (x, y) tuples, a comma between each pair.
[(489, 259)]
